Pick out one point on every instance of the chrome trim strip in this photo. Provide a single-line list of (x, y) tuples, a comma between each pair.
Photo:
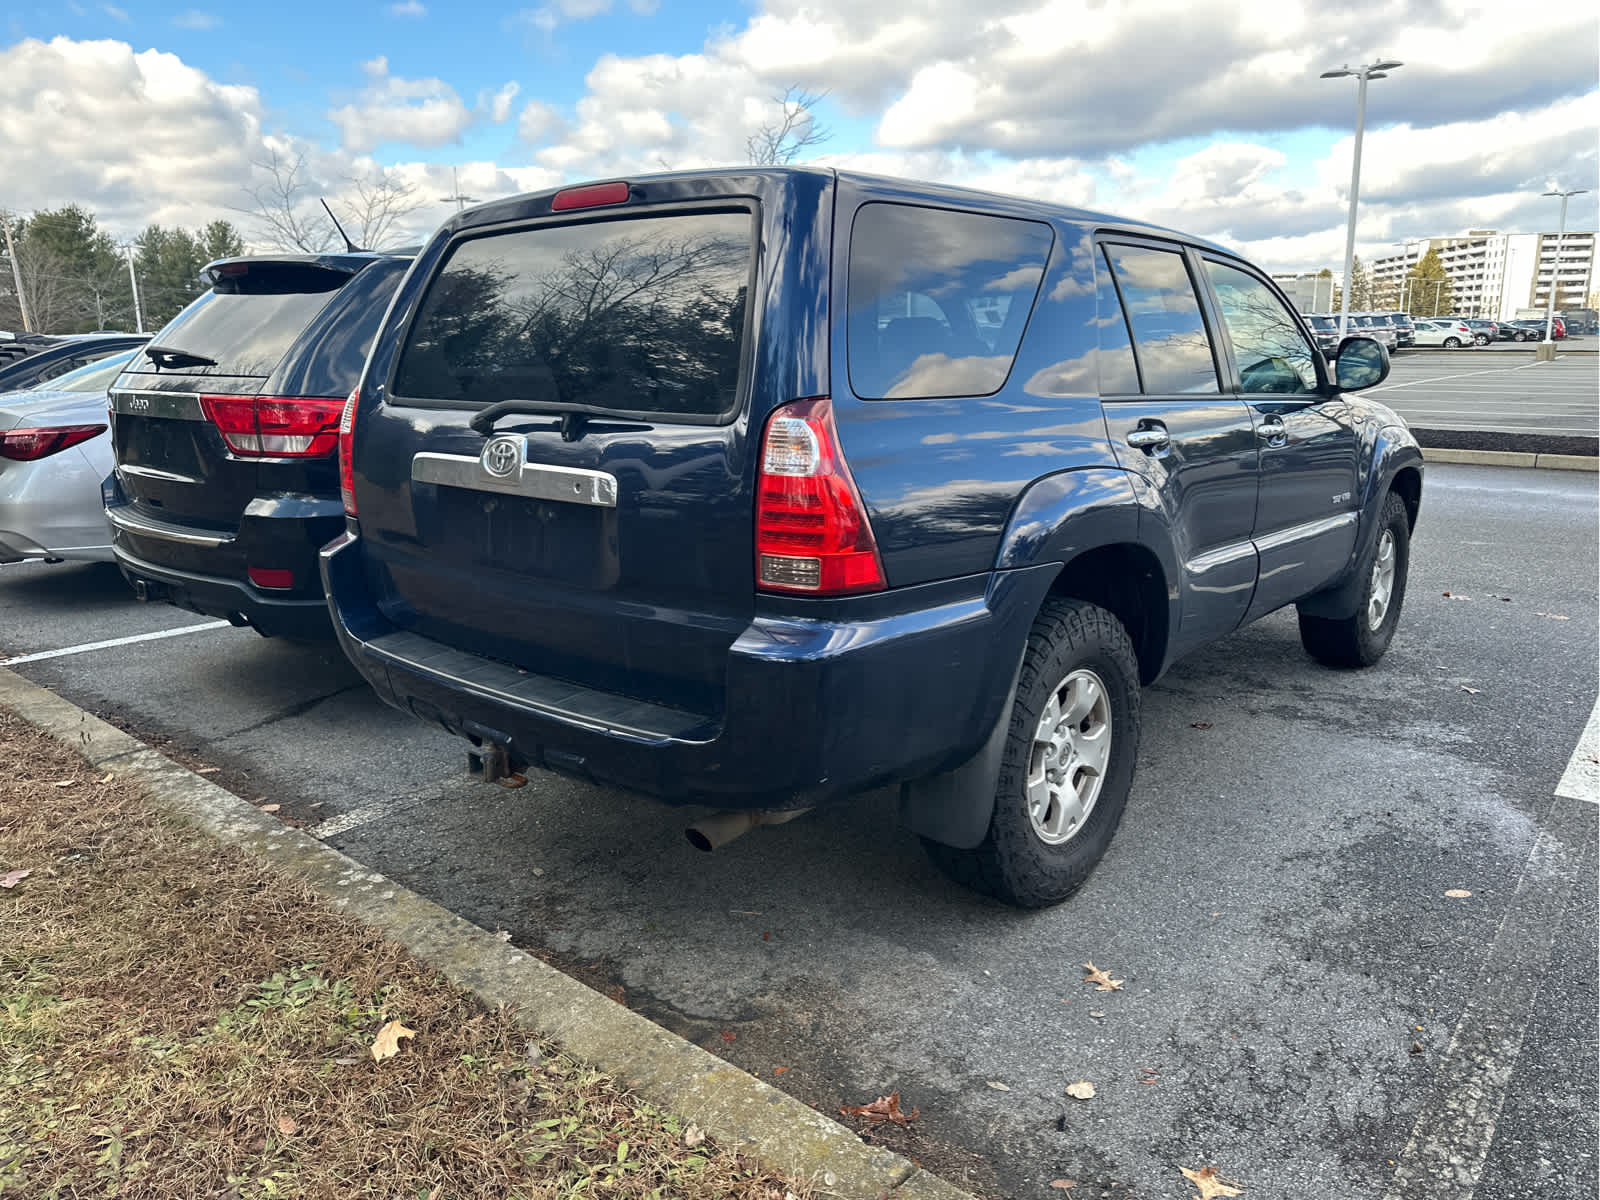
[(142, 402), (129, 523), (569, 485), (152, 473), (1304, 532)]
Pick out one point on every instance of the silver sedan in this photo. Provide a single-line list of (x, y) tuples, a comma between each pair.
[(54, 451)]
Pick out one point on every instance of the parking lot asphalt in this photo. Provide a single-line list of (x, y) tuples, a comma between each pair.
[(1495, 389), (1303, 1005)]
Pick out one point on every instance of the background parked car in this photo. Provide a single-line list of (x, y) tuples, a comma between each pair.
[(1325, 330), (1534, 330), (54, 453), (1442, 331), (1405, 331), (1376, 327), (225, 429), (1483, 332), (49, 357)]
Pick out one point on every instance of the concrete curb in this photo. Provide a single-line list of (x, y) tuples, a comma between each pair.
[(1513, 458), (736, 1108)]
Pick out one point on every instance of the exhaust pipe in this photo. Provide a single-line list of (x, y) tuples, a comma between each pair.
[(720, 828)]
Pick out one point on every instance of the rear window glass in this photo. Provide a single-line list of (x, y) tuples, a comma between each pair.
[(1168, 330), (95, 377), (938, 300), (640, 315), (247, 322)]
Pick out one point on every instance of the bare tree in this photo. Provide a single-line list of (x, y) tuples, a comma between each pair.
[(379, 204), (795, 131), (283, 209)]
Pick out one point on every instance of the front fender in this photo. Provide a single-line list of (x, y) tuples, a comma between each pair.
[(1387, 450)]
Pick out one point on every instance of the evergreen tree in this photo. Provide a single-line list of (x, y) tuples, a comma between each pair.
[(1428, 289)]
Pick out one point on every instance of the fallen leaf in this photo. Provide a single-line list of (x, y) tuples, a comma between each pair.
[(287, 1126), (692, 1137), (779, 1070), (1082, 1090), (1199, 724), (207, 770), (387, 1043), (884, 1108), (1470, 690), (1101, 979), (1416, 1047), (1458, 893), (1212, 1184), (65, 782), (728, 1035), (271, 807), (538, 870), (514, 781), (107, 777), (1065, 1185), (502, 935), (998, 1086), (436, 1191), (11, 878)]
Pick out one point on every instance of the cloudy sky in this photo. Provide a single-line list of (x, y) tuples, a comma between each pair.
[(1200, 114)]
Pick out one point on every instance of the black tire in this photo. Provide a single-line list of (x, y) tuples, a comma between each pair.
[(1014, 863), (1481, 339), (1353, 641), (1452, 343), (1519, 337)]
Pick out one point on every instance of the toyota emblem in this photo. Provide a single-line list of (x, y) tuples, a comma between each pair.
[(502, 456)]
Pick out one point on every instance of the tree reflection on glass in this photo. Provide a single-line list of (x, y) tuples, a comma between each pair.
[(641, 315), (1272, 354), (1174, 351)]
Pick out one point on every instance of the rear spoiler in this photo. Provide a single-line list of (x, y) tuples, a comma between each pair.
[(344, 264)]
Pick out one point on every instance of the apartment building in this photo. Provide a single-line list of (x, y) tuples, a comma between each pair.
[(1493, 274), (1310, 292)]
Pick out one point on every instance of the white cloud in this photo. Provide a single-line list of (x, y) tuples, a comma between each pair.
[(499, 104), (115, 13), (422, 112), (408, 8), (194, 19)]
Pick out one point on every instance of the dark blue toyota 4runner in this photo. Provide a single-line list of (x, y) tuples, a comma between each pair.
[(762, 488)]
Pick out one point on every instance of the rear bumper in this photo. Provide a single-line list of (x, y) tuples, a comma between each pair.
[(815, 709), (207, 571)]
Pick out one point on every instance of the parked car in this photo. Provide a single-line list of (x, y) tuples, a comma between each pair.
[(53, 456), (1375, 326), (225, 430), (1405, 331), (1325, 332), (1443, 331), (1535, 330), (49, 357), (1483, 332), (712, 485)]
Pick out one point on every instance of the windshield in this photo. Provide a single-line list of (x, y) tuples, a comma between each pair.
[(96, 377)]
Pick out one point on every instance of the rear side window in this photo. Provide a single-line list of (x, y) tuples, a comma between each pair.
[(640, 315), (938, 300), (1168, 330), (1118, 375), (247, 322)]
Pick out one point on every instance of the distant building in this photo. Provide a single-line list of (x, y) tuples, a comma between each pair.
[(1493, 274), (1311, 292)]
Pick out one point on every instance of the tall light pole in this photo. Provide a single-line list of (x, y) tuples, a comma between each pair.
[(455, 193), (1366, 71), (1555, 272), (1405, 268)]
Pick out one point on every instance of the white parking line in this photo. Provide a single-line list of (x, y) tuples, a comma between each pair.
[(106, 645), (1392, 387), (1581, 779)]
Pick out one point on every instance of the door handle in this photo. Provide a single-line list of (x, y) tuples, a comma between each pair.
[(1153, 436), (1273, 431)]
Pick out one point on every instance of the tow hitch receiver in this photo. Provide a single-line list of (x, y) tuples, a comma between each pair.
[(487, 757)]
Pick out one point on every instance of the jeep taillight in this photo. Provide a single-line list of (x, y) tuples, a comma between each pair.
[(347, 456), (812, 532), (276, 426)]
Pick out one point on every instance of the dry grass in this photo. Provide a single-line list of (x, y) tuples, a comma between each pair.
[(178, 1021)]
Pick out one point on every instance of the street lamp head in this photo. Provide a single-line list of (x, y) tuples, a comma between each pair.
[(1377, 75), (1340, 74), (1387, 64), (1570, 192)]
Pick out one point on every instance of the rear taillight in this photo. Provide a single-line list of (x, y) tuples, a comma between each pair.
[(276, 426), (26, 445), (347, 458), (812, 532)]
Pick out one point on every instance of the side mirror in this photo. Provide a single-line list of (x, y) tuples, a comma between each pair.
[(1362, 363)]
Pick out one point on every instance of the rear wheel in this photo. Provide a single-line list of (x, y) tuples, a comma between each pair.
[(1068, 762), (1480, 339), (1360, 640), (1452, 343)]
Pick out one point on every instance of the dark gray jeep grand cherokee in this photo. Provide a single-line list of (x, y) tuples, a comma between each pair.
[(762, 488)]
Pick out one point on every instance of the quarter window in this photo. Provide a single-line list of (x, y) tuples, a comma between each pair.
[(938, 299), (1118, 375), (1169, 333), (1271, 352)]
